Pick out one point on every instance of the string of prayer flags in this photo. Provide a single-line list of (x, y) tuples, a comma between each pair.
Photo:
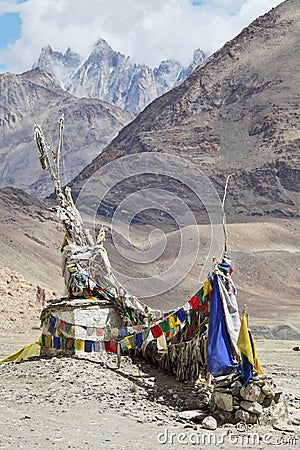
[(183, 321)]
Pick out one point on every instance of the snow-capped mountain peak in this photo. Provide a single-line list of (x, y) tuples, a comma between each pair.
[(111, 76)]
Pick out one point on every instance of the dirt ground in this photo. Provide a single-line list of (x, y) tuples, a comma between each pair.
[(87, 403)]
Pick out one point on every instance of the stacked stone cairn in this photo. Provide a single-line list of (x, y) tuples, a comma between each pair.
[(258, 402)]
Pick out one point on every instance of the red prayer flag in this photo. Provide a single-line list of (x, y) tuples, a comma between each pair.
[(203, 308), (62, 325), (156, 331), (69, 342), (194, 302), (110, 346)]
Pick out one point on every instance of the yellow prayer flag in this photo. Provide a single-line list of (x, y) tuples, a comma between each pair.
[(79, 345), (257, 366), (129, 346), (206, 288), (243, 342), (172, 321), (48, 341)]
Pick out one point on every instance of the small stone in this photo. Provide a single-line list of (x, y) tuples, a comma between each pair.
[(261, 398), (256, 408), (296, 349), (251, 392), (266, 389), (223, 401), (258, 381), (277, 395), (267, 402), (209, 423), (252, 407), (226, 417), (242, 416), (195, 416), (235, 387), (194, 403), (252, 419)]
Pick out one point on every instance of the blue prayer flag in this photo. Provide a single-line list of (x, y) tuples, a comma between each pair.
[(52, 325), (138, 339), (181, 315), (88, 346), (220, 359), (56, 342)]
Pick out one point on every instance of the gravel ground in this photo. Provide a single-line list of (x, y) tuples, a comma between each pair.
[(88, 403)]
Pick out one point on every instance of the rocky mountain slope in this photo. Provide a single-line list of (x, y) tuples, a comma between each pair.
[(30, 247), (111, 76), (90, 125), (238, 112)]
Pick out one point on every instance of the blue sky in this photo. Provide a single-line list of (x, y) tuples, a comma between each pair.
[(146, 30), (10, 28)]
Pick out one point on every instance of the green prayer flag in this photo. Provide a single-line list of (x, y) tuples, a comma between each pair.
[(200, 295), (164, 325)]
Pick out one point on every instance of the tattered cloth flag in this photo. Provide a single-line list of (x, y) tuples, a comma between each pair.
[(24, 353), (220, 360), (231, 312), (246, 346)]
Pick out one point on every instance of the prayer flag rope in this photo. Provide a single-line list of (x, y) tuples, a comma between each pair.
[(88, 346), (176, 324)]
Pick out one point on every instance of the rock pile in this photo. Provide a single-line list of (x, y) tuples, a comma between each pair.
[(258, 402)]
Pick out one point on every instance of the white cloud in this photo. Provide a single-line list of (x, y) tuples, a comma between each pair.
[(148, 31)]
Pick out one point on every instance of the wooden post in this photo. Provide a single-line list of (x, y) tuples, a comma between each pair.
[(246, 312)]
